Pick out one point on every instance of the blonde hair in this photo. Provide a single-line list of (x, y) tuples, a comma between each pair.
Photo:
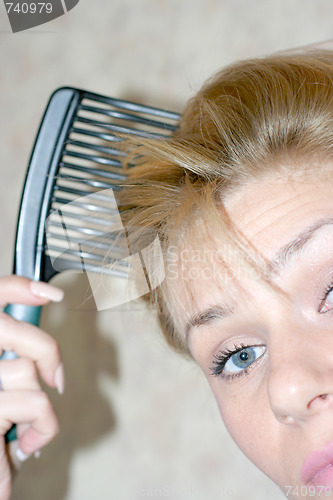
[(253, 118)]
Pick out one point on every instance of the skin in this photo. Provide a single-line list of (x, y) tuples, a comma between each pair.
[(21, 399), (282, 408)]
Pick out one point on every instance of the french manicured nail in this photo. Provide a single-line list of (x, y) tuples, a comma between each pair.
[(46, 291), (59, 379), (21, 455)]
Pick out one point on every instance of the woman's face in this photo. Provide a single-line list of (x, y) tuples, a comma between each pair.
[(276, 393)]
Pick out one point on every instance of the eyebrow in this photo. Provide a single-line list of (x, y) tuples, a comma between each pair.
[(275, 266)]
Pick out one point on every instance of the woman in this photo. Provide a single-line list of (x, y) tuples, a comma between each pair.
[(241, 200)]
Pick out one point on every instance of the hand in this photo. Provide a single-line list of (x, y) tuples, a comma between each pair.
[(21, 399)]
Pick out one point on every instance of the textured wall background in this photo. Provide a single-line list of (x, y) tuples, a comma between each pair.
[(137, 421)]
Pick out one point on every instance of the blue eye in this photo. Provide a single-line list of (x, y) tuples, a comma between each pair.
[(243, 359), (235, 362)]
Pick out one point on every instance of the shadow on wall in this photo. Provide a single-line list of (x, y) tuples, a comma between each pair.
[(84, 412)]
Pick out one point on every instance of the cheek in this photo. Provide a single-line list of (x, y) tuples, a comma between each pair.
[(248, 421)]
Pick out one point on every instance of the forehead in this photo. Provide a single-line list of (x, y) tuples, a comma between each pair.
[(273, 211), (269, 213)]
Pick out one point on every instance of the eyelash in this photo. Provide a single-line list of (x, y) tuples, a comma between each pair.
[(223, 356), (324, 297)]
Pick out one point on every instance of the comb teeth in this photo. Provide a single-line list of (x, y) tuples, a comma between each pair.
[(85, 230), (84, 222), (92, 158)]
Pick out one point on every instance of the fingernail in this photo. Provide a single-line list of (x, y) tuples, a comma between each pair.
[(37, 454), (41, 289), (59, 379), (21, 455)]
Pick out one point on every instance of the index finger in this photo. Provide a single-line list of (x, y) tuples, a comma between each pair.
[(20, 290)]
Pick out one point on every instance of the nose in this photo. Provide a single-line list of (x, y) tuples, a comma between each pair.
[(300, 381)]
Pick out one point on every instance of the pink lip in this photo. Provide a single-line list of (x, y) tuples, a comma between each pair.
[(317, 468)]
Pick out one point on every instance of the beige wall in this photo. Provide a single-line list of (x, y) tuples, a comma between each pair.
[(137, 421)]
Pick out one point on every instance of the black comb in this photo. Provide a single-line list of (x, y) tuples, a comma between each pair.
[(68, 210)]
